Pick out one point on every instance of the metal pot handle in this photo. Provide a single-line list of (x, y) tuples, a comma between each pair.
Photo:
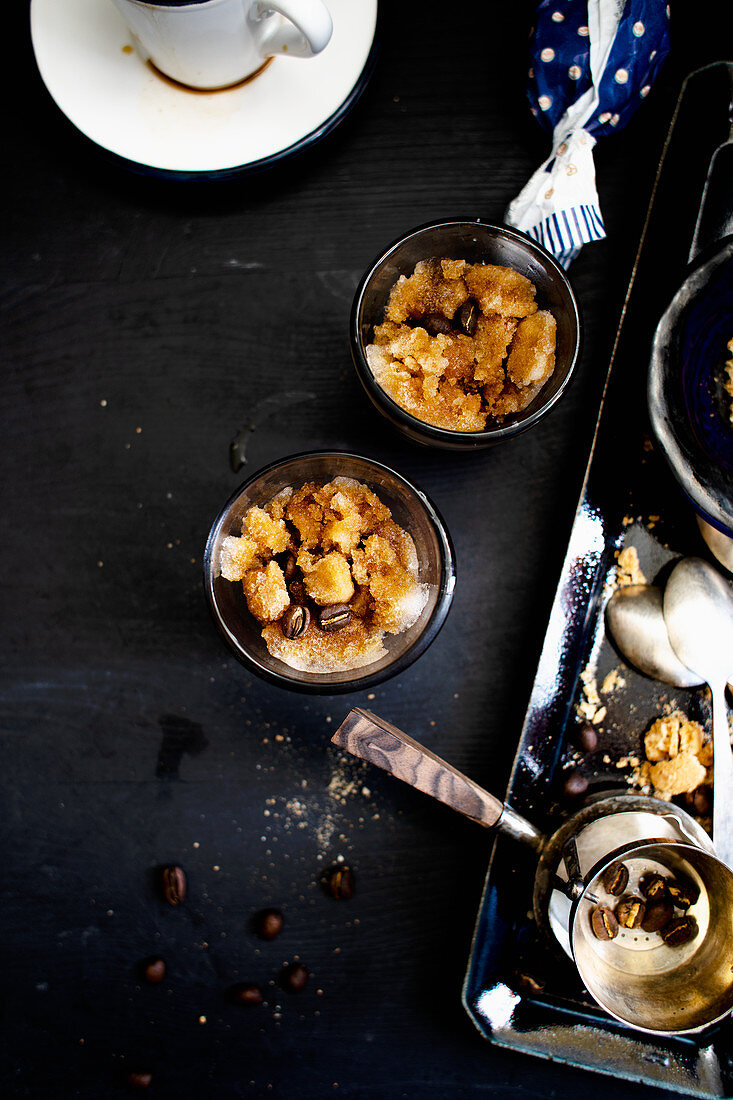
[(378, 742)]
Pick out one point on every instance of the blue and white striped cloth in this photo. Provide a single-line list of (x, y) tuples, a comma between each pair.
[(592, 63)]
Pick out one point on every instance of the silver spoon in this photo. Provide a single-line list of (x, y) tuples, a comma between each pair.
[(698, 611), (635, 620)]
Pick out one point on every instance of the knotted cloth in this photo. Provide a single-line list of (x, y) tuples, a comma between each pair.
[(592, 64)]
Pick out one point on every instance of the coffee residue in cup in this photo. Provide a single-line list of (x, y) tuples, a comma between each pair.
[(327, 572), (463, 344)]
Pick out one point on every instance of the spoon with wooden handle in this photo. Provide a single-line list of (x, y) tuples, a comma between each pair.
[(370, 738)]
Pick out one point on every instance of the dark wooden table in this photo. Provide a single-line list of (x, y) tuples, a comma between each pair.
[(145, 323)]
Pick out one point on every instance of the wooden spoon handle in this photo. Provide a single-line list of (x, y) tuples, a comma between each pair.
[(370, 738)]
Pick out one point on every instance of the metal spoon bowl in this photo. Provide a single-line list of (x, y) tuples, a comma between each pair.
[(635, 621)]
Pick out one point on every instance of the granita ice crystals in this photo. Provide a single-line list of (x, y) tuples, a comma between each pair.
[(462, 344), (327, 572)]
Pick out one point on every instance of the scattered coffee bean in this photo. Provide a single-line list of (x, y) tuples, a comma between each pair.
[(604, 923), (295, 621), (630, 911), (435, 324), (335, 617), (153, 970), (679, 931), (268, 923), (587, 738), (246, 993), (173, 881), (295, 978), (658, 915), (575, 784), (341, 883), (683, 893), (139, 1080), (468, 316), (653, 886), (290, 569), (615, 879)]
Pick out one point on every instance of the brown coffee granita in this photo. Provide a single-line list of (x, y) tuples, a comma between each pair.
[(462, 344), (327, 572)]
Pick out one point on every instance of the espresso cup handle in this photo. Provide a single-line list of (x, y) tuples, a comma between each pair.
[(307, 31)]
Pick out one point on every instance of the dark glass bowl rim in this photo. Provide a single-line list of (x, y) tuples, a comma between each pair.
[(448, 436), (446, 584)]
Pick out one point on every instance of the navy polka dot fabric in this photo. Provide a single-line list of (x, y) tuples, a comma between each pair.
[(592, 63), (560, 69)]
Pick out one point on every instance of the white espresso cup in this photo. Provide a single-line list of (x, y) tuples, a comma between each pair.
[(211, 44)]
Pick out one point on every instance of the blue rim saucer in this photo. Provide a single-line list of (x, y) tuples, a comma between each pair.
[(149, 125)]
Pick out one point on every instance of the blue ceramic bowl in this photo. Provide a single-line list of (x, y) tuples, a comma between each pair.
[(688, 404)]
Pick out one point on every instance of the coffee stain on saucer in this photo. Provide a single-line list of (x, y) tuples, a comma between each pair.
[(207, 91)]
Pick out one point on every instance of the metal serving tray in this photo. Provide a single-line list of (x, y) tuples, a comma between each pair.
[(521, 991)]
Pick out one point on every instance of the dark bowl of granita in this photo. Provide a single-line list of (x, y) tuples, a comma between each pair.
[(464, 333), (328, 572)]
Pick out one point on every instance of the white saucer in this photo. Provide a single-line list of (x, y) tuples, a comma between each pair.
[(83, 51)]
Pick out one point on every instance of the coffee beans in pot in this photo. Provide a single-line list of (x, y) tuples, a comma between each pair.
[(683, 893), (604, 923), (679, 931), (653, 886), (630, 911), (615, 879), (658, 915)]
